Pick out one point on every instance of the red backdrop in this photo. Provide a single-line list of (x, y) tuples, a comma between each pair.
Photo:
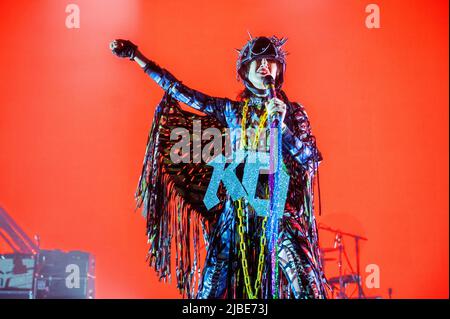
[(74, 122)]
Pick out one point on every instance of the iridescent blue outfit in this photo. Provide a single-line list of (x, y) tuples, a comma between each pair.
[(168, 203)]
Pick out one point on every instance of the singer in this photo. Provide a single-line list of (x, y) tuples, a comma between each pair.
[(238, 261)]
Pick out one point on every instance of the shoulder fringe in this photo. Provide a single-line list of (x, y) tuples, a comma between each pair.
[(171, 221)]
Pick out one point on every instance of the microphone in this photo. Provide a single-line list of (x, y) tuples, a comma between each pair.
[(269, 83)]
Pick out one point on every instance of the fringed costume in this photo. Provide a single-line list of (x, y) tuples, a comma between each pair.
[(223, 252)]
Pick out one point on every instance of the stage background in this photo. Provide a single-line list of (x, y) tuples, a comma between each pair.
[(74, 121)]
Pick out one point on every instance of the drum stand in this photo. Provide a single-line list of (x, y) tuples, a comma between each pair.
[(343, 280)]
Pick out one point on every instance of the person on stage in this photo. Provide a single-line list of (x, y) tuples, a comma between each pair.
[(238, 262)]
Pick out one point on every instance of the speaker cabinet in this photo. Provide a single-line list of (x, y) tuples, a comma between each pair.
[(64, 275), (16, 276)]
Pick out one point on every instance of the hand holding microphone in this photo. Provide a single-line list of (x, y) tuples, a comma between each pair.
[(276, 108)]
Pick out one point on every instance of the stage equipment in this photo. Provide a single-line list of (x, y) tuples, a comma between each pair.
[(63, 275), (16, 275), (341, 282), (28, 272)]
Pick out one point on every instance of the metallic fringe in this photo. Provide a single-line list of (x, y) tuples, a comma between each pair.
[(171, 221)]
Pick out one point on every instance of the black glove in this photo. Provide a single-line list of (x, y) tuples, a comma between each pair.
[(123, 48)]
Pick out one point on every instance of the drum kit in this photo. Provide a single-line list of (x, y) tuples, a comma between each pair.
[(340, 283)]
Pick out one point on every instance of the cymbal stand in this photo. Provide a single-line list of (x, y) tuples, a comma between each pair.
[(339, 243)]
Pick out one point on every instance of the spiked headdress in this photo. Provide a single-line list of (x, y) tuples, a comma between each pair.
[(257, 48)]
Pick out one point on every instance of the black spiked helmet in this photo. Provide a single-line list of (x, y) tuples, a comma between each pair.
[(258, 48)]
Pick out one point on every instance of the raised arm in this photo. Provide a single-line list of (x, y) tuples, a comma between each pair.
[(213, 106)]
